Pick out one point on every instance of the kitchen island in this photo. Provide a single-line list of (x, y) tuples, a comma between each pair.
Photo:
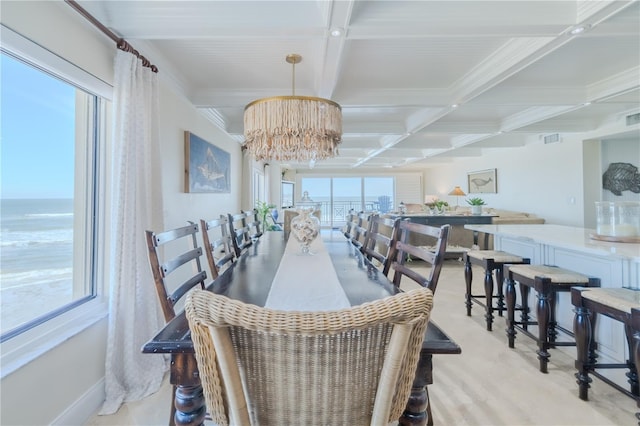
[(616, 264)]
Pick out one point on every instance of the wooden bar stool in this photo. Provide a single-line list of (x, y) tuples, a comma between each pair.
[(620, 304), (490, 260), (547, 281)]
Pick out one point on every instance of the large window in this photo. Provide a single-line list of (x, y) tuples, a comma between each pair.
[(338, 195), (50, 131)]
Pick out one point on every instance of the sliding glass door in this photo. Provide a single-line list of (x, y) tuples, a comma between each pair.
[(338, 195)]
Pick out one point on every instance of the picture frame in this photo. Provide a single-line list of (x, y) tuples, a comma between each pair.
[(207, 167), (482, 182)]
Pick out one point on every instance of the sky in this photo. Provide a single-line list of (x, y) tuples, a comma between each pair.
[(319, 188), (37, 114)]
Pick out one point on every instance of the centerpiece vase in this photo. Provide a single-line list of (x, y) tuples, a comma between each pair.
[(305, 228)]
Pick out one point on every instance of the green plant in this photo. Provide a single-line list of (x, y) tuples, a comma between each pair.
[(264, 210), (475, 201), (440, 204)]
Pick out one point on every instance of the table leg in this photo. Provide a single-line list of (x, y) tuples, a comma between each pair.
[(190, 407), (418, 410)]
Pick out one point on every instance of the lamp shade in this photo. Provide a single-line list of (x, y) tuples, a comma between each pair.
[(457, 191)]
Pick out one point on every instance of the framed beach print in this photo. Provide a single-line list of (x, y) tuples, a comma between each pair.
[(483, 181), (207, 167)]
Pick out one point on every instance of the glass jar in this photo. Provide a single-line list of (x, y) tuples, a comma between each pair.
[(618, 219), (305, 228)]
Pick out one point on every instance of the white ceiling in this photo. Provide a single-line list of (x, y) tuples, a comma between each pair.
[(398, 68)]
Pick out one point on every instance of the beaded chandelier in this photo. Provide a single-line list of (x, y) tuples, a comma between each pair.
[(293, 128)]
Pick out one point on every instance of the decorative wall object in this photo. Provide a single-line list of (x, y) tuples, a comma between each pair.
[(621, 177), (483, 181), (207, 167)]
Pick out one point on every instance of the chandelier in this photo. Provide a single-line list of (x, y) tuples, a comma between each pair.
[(293, 128)]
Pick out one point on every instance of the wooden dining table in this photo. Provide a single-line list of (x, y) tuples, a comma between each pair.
[(249, 280)]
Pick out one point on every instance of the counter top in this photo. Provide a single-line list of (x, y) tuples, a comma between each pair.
[(561, 236)]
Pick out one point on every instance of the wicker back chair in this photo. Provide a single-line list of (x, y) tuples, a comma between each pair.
[(351, 366)]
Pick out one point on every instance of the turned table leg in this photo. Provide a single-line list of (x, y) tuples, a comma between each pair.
[(189, 403), (418, 410)]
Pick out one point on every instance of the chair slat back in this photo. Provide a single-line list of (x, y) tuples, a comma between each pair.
[(360, 229), (239, 230), (169, 274), (380, 238), (352, 220), (253, 223), (434, 256), (218, 246), (249, 361)]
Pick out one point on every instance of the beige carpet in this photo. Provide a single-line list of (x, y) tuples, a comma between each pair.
[(488, 384)]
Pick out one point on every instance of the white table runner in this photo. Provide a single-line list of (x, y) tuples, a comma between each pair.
[(306, 282)]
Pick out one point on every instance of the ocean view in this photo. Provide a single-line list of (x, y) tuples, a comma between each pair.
[(36, 258)]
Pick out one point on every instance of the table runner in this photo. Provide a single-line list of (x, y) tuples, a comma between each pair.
[(306, 282)]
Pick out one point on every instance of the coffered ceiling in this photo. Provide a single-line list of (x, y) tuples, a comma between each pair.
[(419, 82)]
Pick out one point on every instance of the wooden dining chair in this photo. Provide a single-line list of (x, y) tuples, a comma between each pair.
[(262, 366), (253, 223), (360, 229), (240, 233), (217, 243), (432, 256), (380, 238), (175, 275), (351, 220)]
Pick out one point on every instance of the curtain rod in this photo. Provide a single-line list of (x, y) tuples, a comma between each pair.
[(121, 43)]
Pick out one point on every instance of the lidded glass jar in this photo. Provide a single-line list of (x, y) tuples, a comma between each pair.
[(305, 228), (618, 219)]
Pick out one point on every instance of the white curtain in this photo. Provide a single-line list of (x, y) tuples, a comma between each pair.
[(134, 314)]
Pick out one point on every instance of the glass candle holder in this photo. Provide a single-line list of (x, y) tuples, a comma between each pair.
[(618, 219)]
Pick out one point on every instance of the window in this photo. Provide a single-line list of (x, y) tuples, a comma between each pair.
[(338, 195), (51, 132)]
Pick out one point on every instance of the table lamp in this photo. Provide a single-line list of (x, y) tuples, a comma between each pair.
[(458, 192)]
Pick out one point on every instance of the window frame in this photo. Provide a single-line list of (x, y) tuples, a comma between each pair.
[(52, 330)]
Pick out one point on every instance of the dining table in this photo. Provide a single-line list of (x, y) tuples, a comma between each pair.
[(273, 272)]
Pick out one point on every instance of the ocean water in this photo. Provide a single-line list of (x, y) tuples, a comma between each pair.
[(36, 258)]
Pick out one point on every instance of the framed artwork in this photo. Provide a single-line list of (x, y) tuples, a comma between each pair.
[(483, 181), (206, 166)]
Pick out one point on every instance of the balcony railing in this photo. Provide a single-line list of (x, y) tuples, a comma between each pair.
[(335, 214)]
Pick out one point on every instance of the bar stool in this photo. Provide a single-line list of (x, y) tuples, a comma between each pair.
[(620, 304), (490, 260), (547, 281)]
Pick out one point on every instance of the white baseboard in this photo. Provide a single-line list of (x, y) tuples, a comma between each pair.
[(84, 408)]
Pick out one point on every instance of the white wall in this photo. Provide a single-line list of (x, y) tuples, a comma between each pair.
[(546, 180), (57, 386)]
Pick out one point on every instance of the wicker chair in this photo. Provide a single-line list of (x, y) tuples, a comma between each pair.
[(351, 366)]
